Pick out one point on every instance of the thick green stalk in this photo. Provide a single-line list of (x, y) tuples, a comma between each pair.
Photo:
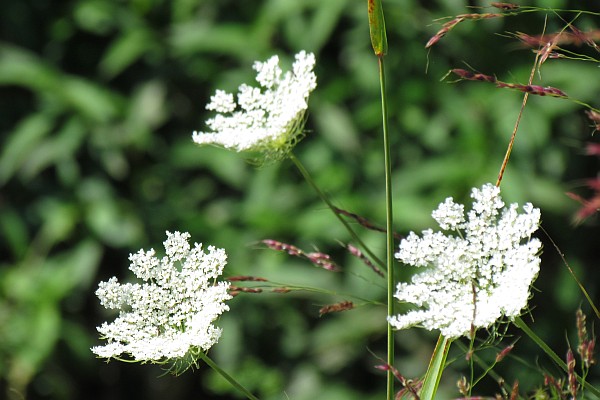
[(228, 377), (326, 200), (389, 228), (435, 369)]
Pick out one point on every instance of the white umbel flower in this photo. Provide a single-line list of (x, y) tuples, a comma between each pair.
[(170, 315), (476, 277), (268, 120)]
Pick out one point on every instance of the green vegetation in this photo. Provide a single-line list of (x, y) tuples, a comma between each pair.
[(98, 100)]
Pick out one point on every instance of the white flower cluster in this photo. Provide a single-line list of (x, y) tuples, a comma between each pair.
[(476, 277), (171, 313), (268, 120)]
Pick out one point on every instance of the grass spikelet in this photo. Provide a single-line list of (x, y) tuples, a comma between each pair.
[(505, 6), (455, 21), (358, 254), (318, 259), (364, 222), (531, 89), (337, 307)]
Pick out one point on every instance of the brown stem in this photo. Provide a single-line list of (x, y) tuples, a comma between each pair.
[(514, 133)]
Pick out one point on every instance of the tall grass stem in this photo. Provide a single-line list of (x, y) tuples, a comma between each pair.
[(542, 345), (389, 227), (228, 377), (307, 177)]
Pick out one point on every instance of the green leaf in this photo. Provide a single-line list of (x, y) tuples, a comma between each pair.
[(126, 50), (435, 369), (25, 137), (377, 28)]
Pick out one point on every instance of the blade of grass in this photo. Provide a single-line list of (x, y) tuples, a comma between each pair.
[(228, 377), (378, 35), (581, 287), (435, 369), (542, 345), (325, 199), (389, 227)]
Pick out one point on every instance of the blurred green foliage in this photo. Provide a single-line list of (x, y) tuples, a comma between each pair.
[(98, 102)]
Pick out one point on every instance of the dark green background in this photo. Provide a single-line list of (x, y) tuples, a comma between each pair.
[(98, 100)]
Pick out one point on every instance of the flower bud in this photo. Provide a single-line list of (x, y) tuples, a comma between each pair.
[(377, 28)]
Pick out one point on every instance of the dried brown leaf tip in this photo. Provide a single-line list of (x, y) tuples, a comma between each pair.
[(455, 21), (337, 307), (531, 89)]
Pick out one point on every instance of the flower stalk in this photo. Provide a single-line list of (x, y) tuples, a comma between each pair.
[(380, 46), (228, 377), (389, 228), (308, 178)]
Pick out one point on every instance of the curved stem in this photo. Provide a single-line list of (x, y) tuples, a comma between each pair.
[(228, 377), (333, 208)]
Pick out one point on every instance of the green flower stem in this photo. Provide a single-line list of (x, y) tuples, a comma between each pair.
[(380, 47), (577, 281), (326, 200), (228, 377), (435, 369), (523, 326), (389, 228)]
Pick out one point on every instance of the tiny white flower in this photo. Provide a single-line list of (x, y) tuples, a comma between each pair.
[(221, 102), (170, 314), (472, 279), (449, 215), (267, 120)]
